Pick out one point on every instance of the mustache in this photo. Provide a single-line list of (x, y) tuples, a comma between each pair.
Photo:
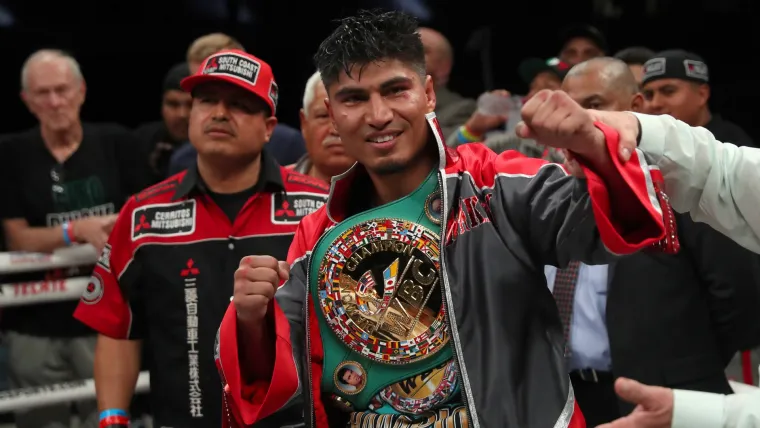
[(218, 127), (330, 140)]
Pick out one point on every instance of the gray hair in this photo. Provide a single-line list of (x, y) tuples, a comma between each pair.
[(310, 91), (47, 54)]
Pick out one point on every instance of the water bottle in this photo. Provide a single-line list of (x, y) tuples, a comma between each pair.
[(499, 105)]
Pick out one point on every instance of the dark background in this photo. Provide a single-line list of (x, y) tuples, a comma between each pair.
[(125, 48)]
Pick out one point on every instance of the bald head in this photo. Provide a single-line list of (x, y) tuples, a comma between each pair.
[(439, 56), (603, 84)]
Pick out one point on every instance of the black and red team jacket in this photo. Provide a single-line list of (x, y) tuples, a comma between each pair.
[(505, 217), (166, 276)]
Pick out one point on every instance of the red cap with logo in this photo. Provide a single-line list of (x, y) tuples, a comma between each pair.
[(239, 68)]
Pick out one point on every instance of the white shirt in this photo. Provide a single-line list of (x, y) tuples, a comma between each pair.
[(692, 409)]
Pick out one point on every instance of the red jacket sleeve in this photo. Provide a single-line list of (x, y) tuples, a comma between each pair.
[(250, 403), (110, 304)]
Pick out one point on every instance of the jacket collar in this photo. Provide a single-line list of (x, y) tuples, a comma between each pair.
[(340, 185), (270, 178)]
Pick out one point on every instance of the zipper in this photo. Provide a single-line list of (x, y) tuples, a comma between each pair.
[(451, 319)]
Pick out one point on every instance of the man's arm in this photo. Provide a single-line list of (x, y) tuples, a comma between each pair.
[(22, 237), (258, 362), (692, 409), (112, 305), (715, 182)]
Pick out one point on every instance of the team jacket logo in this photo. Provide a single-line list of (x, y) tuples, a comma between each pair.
[(291, 207), (176, 219), (234, 65), (104, 261), (94, 291)]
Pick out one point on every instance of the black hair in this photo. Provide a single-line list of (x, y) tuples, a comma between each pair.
[(370, 36), (342, 372), (635, 55)]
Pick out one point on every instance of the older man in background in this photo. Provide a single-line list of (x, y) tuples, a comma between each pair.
[(325, 156)]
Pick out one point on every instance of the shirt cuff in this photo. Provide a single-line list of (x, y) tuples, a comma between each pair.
[(651, 136), (692, 409)]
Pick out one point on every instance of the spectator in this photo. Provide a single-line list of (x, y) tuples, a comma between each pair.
[(677, 83), (63, 182), (635, 57), (325, 155), (160, 139), (286, 144), (451, 108), (580, 43)]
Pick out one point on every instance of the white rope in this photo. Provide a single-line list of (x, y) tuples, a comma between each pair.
[(30, 398), (17, 262)]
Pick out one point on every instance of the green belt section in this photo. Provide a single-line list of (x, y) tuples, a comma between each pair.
[(378, 375)]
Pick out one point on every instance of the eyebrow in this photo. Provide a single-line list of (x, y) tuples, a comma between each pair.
[(594, 97), (355, 90)]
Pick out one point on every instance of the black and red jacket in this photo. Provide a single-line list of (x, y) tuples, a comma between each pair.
[(505, 217), (166, 277)]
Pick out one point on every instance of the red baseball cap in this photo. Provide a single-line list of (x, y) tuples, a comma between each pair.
[(239, 68)]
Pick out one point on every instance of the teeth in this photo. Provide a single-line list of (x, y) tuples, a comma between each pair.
[(383, 139)]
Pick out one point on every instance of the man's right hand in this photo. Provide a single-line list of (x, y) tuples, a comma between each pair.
[(256, 281), (93, 230)]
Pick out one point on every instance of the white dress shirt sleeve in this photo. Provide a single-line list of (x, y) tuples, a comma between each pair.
[(716, 182), (692, 409)]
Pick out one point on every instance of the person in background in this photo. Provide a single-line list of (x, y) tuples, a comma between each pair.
[(160, 139), (63, 182), (635, 57), (165, 277), (715, 281), (325, 157), (451, 109), (677, 83), (580, 43), (286, 144)]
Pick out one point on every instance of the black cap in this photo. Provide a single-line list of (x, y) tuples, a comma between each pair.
[(175, 76), (532, 67), (586, 32), (676, 64)]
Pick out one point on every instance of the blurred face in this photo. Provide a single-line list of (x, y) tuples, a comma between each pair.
[(683, 100), (543, 80), (175, 109), (53, 94), (436, 63), (590, 92), (322, 141), (578, 50), (638, 71), (194, 66), (380, 115), (228, 122)]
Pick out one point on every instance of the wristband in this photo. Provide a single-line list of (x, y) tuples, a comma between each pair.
[(114, 422), (66, 226), (113, 412), (466, 135)]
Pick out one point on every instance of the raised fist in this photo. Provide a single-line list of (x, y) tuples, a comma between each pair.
[(554, 119), (256, 281)]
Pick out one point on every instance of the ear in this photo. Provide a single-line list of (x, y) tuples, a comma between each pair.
[(270, 123), (25, 98), (637, 102), (704, 94), (84, 90), (430, 93)]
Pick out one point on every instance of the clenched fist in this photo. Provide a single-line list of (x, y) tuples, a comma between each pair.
[(256, 281), (554, 119)]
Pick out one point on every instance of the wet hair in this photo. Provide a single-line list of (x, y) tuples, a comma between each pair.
[(370, 37)]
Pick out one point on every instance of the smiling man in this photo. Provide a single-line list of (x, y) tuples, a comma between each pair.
[(425, 259), (164, 276)]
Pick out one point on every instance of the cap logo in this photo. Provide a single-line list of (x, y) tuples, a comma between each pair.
[(274, 93), (696, 69), (654, 67), (233, 65)]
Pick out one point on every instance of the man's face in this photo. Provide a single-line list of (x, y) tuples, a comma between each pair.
[(578, 50), (322, 141), (543, 80), (53, 93), (380, 115), (194, 66), (590, 91), (678, 98), (175, 109), (352, 378), (228, 122), (437, 64)]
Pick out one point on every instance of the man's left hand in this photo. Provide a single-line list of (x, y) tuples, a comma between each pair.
[(554, 119), (654, 405)]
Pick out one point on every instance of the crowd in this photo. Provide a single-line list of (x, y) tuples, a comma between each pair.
[(513, 292)]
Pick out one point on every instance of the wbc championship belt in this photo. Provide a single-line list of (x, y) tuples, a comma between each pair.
[(379, 297)]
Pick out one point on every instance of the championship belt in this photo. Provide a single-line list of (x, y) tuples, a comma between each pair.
[(376, 284)]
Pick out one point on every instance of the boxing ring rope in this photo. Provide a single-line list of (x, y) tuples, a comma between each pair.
[(34, 292), (29, 293)]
